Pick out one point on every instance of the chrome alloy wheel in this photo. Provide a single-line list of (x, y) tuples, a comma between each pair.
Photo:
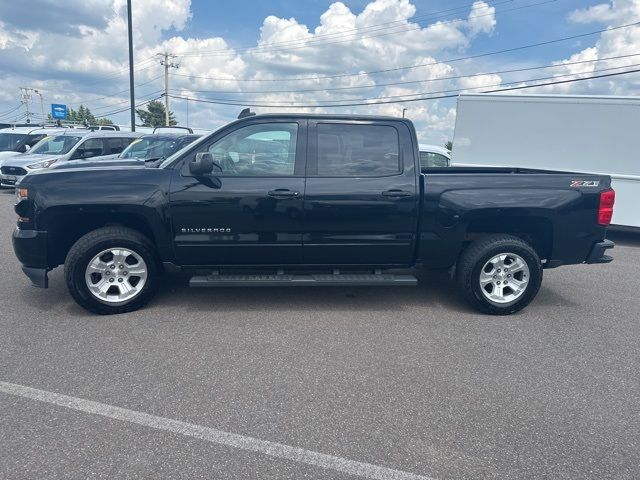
[(116, 275), (504, 278)]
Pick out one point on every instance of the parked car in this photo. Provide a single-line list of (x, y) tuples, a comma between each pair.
[(571, 133), (157, 146), (432, 156), (61, 146), (147, 148), (20, 139), (343, 206)]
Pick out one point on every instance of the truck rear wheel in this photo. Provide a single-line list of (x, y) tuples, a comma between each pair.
[(499, 274), (112, 270)]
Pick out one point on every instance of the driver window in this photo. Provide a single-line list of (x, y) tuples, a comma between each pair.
[(261, 150)]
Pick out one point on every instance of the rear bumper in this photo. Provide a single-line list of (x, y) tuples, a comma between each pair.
[(597, 254), (30, 246)]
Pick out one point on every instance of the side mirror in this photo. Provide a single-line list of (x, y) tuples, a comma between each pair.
[(26, 148), (203, 164)]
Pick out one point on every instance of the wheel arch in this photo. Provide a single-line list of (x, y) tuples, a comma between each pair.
[(535, 230), (65, 227)]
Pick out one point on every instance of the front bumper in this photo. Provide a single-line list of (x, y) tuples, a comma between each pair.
[(597, 254), (30, 246), (9, 181)]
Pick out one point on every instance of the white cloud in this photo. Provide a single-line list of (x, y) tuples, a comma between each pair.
[(611, 43), (381, 36), (482, 18)]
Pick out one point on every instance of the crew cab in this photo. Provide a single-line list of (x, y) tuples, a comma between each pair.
[(305, 200)]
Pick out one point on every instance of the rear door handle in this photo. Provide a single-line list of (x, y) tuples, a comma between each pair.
[(397, 193), (283, 193)]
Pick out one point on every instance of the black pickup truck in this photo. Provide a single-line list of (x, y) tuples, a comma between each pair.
[(301, 200)]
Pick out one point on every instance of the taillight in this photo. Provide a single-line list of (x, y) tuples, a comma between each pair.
[(605, 210)]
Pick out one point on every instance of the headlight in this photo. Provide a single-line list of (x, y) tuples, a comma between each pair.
[(43, 164)]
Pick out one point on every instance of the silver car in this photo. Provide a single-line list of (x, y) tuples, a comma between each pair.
[(64, 145)]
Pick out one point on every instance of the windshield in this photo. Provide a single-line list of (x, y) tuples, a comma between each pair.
[(146, 148), (177, 154), (58, 145), (10, 142)]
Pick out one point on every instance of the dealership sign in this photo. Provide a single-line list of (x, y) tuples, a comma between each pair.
[(58, 111)]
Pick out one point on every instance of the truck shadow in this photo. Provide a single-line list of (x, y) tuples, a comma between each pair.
[(627, 238), (436, 292)]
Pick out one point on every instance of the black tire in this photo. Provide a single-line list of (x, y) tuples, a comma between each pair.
[(90, 245), (478, 253)]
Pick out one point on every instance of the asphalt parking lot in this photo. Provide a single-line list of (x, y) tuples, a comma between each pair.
[(344, 383)]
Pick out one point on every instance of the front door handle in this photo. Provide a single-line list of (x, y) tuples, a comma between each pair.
[(397, 193), (283, 193)]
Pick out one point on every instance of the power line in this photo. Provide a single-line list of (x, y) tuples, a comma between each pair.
[(126, 109), (555, 82), (453, 60), (155, 93), (410, 82), (9, 112), (114, 94), (360, 29), (306, 43), (407, 95)]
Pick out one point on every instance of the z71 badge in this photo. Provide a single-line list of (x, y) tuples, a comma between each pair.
[(585, 183)]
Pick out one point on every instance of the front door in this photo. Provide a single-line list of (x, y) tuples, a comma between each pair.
[(250, 212), (361, 197)]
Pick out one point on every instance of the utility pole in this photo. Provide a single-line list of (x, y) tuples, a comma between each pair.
[(26, 99), (167, 63), (132, 95)]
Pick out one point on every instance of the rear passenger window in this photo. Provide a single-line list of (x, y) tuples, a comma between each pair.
[(117, 145), (357, 150)]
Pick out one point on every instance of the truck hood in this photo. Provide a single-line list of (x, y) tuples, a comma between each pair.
[(8, 154), (89, 164)]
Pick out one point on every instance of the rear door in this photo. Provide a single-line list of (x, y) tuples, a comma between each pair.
[(251, 212), (361, 196)]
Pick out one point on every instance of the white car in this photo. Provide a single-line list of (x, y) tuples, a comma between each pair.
[(14, 141), (63, 145), (434, 156)]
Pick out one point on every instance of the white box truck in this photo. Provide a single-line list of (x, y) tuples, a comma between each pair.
[(571, 133)]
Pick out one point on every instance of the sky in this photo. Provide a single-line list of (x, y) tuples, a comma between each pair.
[(312, 55)]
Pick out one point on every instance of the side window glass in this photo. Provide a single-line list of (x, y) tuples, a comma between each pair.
[(430, 160), (92, 147), (357, 150), (261, 150), (117, 145)]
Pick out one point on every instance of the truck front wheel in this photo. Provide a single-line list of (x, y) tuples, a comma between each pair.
[(499, 274), (112, 270)]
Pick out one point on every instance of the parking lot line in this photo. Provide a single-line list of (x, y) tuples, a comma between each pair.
[(272, 449)]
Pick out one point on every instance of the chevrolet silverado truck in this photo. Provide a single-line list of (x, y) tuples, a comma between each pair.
[(306, 200)]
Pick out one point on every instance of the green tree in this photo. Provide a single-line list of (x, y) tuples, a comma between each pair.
[(83, 115), (448, 145), (154, 115)]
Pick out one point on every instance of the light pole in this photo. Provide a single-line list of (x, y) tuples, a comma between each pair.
[(41, 105), (132, 95)]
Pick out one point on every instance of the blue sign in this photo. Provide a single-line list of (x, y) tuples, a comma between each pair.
[(58, 111)]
